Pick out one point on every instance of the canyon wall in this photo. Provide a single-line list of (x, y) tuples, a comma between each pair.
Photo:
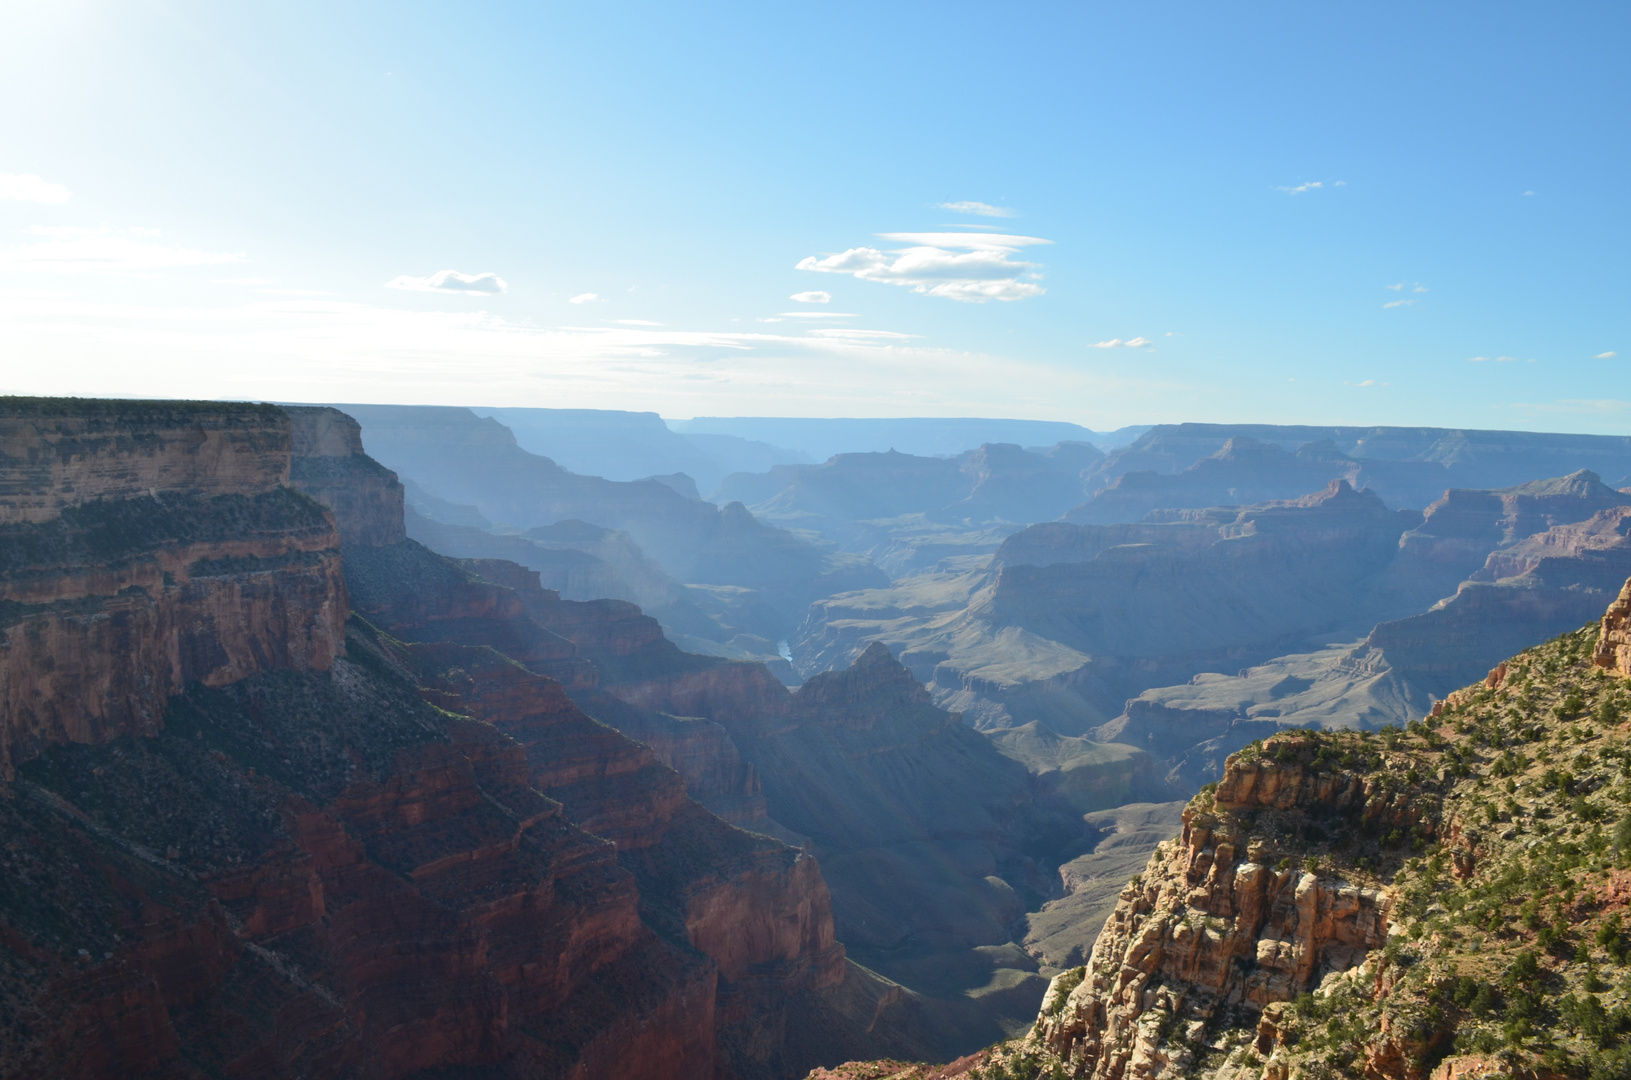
[(291, 845), (145, 546)]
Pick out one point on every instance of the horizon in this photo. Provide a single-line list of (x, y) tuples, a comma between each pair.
[(1109, 218)]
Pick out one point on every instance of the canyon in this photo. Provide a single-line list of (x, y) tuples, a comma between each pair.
[(462, 763), (1431, 903), (293, 843)]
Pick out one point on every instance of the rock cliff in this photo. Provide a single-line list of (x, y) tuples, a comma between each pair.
[(145, 546), (1614, 641), (277, 851), (485, 640)]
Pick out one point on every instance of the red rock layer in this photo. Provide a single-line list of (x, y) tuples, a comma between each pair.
[(439, 914)]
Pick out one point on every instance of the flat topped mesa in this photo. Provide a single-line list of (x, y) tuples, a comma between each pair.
[(58, 453), (145, 545)]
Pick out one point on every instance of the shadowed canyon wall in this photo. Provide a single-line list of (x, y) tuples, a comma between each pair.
[(290, 845)]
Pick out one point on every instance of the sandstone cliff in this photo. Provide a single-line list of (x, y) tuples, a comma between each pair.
[(1614, 640), (144, 546)]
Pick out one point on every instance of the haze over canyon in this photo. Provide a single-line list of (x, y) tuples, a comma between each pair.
[(366, 740)]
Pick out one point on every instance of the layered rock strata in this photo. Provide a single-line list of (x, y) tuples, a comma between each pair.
[(1222, 923), (756, 909), (145, 546), (340, 857)]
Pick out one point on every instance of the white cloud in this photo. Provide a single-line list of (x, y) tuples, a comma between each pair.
[(1394, 288), (69, 250), (634, 322), (451, 281), (1398, 303), (1118, 343), (1611, 354), (818, 315), (1529, 193), (814, 296), (860, 335), (1300, 188), (971, 267), (585, 298), (979, 208), (1498, 359), (1419, 288), (26, 187), (1366, 382)]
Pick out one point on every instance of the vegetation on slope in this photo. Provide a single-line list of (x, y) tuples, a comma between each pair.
[(1509, 941)]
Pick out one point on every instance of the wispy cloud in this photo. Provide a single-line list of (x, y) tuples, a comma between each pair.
[(26, 187), (813, 296), (68, 250), (817, 315), (325, 349), (451, 281), (978, 208), (1311, 185), (839, 333), (1398, 303), (1611, 354), (634, 322), (970, 267), (1364, 382), (1118, 343), (585, 298), (1529, 193), (1394, 288), (1497, 360)]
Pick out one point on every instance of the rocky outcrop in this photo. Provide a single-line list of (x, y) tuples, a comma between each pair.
[(144, 546), (1222, 922), (1614, 638), (1425, 904)]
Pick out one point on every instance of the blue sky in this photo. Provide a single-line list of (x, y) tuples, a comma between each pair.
[(1110, 214)]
